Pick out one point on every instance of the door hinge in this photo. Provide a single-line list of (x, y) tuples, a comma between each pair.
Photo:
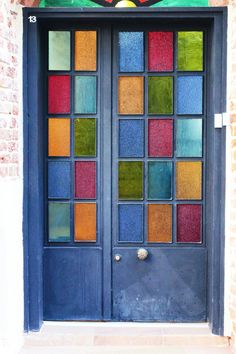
[(221, 119)]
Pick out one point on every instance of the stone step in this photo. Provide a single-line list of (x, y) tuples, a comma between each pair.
[(87, 334)]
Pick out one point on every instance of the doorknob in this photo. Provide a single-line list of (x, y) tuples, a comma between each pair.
[(142, 254), (117, 257)]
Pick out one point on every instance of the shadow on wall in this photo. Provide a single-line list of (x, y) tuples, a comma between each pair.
[(102, 3)]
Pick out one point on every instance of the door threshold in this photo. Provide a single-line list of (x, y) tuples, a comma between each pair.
[(125, 324)]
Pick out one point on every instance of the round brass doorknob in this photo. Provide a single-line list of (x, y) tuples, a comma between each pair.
[(142, 254)]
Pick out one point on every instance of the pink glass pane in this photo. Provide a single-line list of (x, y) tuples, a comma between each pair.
[(59, 94), (189, 223), (160, 51), (85, 179), (160, 137)]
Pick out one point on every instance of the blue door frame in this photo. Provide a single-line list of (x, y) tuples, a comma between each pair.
[(34, 167)]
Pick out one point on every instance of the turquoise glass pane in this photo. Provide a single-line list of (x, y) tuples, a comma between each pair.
[(159, 180), (189, 95), (131, 51), (59, 222), (85, 94), (189, 138), (160, 95), (190, 51), (58, 50)]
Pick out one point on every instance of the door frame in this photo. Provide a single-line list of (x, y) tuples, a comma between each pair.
[(33, 216)]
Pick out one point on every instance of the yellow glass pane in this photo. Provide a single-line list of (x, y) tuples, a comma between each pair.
[(160, 223), (189, 180), (85, 222), (59, 137), (86, 50), (130, 95)]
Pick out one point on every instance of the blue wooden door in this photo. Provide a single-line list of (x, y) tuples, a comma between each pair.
[(125, 160)]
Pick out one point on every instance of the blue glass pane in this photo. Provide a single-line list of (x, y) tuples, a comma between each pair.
[(130, 223), (58, 179), (85, 94), (189, 138), (59, 222), (159, 180), (131, 138), (189, 95), (131, 51)]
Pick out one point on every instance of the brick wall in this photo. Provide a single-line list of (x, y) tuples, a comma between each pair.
[(10, 92)]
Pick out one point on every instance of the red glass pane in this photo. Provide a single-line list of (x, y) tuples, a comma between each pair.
[(59, 94), (160, 137), (189, 223), (85, 179), (160, 51)]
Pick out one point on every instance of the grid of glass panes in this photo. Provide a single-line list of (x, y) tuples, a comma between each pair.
[(160, 116), (72, 136)]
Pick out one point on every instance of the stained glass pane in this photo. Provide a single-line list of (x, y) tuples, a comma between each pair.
[(131, 138), (85, 137), (59, 94), (130, 180), (160, 51), (59, 222), (59, 137), (189, 223), (189, 180), (159, 180), (130, 95), (160, 137), (189, 95), (160, 95), (85, 179), (130, 223), (189, 138), (58, 50), (190, 51), (58, 179), (86, 50), (131, 51), (85, 94), (159, 223), (85, 222)]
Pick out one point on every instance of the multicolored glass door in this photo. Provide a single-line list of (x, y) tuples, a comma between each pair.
[(137, 249), (158, 174), (72, 252)]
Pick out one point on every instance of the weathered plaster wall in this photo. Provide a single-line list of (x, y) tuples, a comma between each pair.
[(11, 152)]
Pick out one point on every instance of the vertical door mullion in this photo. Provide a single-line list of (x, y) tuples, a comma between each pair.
[(106, 132)]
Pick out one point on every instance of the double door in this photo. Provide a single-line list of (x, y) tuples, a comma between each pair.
[(126, 123)]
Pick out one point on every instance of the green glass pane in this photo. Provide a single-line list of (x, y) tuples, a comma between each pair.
[(59, 222), (160, 95), (85, 94), (159, 180), (190, 51), (130, 180), (189, 138), (85, 137), (58, 50)]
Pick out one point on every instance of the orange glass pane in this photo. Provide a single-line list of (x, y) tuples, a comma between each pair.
[(189, 180), (86, 50), (59, 137), (85, 222), (160, 223), (130, 95)]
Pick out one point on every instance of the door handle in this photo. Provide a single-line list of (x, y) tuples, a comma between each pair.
[(117, 257), (142, 254)]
